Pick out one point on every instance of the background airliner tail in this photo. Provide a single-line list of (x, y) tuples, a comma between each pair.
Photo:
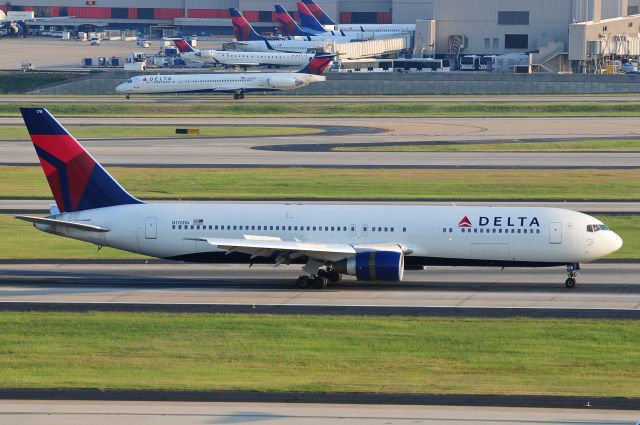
[(183, 46), (78, 182), (242, 28), (318, 13), (318, 64), (307, 20), (288, 27)]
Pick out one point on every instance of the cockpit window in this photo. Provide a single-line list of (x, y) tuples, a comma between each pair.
[(596, 227), (129, 81)]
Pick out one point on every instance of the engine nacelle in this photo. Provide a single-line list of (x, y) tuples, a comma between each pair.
[(383, 266), (205, 54), (282, 82)]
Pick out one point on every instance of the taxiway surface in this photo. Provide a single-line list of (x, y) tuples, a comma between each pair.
[(310, 150), (600, 286), (28, 412)]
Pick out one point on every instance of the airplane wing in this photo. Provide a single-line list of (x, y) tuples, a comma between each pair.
[(266, 247)]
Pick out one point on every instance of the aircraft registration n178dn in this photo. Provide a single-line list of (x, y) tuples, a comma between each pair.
[(370, 242)]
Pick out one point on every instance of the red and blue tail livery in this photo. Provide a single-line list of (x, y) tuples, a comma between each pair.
[(318, 64), (318, 13), (242, 28), (288, 27), (307, 20), (77, 180), (183, 46)]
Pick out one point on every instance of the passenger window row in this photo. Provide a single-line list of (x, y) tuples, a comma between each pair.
[(496, 230), (281, 228)]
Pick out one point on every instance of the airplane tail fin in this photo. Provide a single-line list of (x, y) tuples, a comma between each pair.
[(183, 46), (288, 27), (307, 20), (242, 28), (318, 13), (318, 64), (78, 182)]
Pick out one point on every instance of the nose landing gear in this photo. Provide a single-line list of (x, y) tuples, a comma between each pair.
[(572, 270)]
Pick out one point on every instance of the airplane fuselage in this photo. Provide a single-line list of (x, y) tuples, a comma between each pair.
[(221, 82), (432, 235), (228, 57), (293, 46)]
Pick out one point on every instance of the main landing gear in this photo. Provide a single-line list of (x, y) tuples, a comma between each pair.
[(320, 280), (572, 270), (238, 95)]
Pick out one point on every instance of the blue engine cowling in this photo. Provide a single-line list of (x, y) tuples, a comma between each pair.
[(382, 266)]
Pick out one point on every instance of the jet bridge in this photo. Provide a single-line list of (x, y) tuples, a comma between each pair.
[(370, 48)]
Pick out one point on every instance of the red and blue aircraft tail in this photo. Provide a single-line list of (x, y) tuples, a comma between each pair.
[(183, 46), (318, 64), (318, 13), (242, 28), (77, 180), (288, 27), (307, 20)]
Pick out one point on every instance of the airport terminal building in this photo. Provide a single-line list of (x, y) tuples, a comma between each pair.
[(562, 32)]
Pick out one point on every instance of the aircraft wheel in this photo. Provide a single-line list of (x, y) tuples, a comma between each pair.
[(334, 276), (303, 282), (127, 97), (570, 282), (320, 282), (241, 95), (236, 96)]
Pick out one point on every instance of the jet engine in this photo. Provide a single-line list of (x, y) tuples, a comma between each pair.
[(205, 54), (282, 82), (383, 266)]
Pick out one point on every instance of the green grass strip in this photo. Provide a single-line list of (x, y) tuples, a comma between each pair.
[(15, 132), (331, 109), (551, 146), (383, 184), (12, 82), (20, 241), (314, 353)]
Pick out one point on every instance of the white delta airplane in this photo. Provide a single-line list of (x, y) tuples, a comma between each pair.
[(370, 242), (237, 83), (235, 58)]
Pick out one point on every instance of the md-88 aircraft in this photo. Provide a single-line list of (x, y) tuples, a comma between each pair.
[(237, 83), (370, 242)]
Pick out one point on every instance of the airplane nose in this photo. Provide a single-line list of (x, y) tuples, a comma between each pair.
[(616, 242), (120, 88)]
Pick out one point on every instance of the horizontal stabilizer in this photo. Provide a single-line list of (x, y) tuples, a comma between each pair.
[(64, 223)]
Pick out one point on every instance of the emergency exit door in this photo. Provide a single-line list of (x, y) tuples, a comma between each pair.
[(150, 228), (555, 233)]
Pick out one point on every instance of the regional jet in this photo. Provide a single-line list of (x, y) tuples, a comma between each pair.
[(237, 83), (371, 242), (244, 59)]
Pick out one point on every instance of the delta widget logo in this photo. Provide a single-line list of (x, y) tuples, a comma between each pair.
[(465, 222)]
